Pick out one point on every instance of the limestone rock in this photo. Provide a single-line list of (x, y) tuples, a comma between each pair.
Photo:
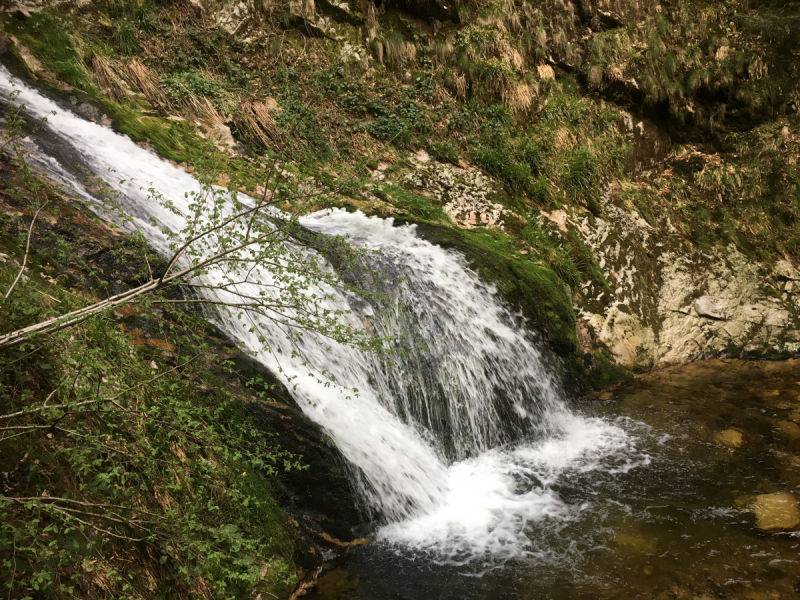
[(707, 306), (785, 270), (212, 127), (752, 313), (33, 64), (776, 511), (777, 318), (463, 193)]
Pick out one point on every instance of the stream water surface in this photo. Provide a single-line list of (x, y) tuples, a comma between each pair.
[(719, 437)]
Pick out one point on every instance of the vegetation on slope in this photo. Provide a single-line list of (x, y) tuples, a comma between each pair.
[(130, 467), (127, 474), (528, 92)]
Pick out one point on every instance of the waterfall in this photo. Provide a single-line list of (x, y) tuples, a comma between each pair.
[(455, 445)]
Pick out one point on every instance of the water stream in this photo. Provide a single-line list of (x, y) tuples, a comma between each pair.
[(464, 449), (456, 446), (724, 441)]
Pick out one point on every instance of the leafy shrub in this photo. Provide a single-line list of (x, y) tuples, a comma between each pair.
[(532, 154), (162, 483), (398, 123), (444, 151), (180, 88)]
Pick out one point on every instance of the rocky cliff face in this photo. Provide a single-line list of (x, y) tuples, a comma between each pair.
[(644, 156), (668, 301)]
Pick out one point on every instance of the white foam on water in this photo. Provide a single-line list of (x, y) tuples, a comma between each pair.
[(492, 499), (456, 445)]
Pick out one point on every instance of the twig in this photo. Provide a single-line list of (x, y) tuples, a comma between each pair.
[(27, 252), (49, 499), (13, 566)]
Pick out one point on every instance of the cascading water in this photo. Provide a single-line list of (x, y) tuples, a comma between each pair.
[(456, 444)]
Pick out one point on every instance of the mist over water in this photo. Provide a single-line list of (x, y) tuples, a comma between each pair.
[(458, 444)]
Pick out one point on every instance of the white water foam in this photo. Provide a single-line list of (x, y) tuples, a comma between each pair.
[(457, 446)]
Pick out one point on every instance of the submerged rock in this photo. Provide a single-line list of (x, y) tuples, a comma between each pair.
[(635, 542), (789, 430), (776, 511), (729, 437)]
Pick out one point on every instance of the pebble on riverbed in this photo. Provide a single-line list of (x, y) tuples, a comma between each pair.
[(776, 511)]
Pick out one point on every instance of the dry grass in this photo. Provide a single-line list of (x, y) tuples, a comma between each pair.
[(372, 26), (757, 69), (303, 8), (545, 72), (508, 53), (377, 49), (459, 85), (594, 76), (255, 122), (443, 51), (398, 51), (264, 117), (148, 83), (106, 79), (519, 97)]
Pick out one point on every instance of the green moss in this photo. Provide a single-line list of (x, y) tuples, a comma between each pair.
[(534, 289), (553, 253), (599, 371), (173, 140), (48, 39), (415, 205)]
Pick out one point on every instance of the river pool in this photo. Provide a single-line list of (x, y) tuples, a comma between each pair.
[(707, 511)]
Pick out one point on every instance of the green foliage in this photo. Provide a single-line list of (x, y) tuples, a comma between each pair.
[(534, 155), (399, 122), (444, 151), (124, 37), (299, 122), (581, 176), (129, 467), (498, 161), (752, 199)]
